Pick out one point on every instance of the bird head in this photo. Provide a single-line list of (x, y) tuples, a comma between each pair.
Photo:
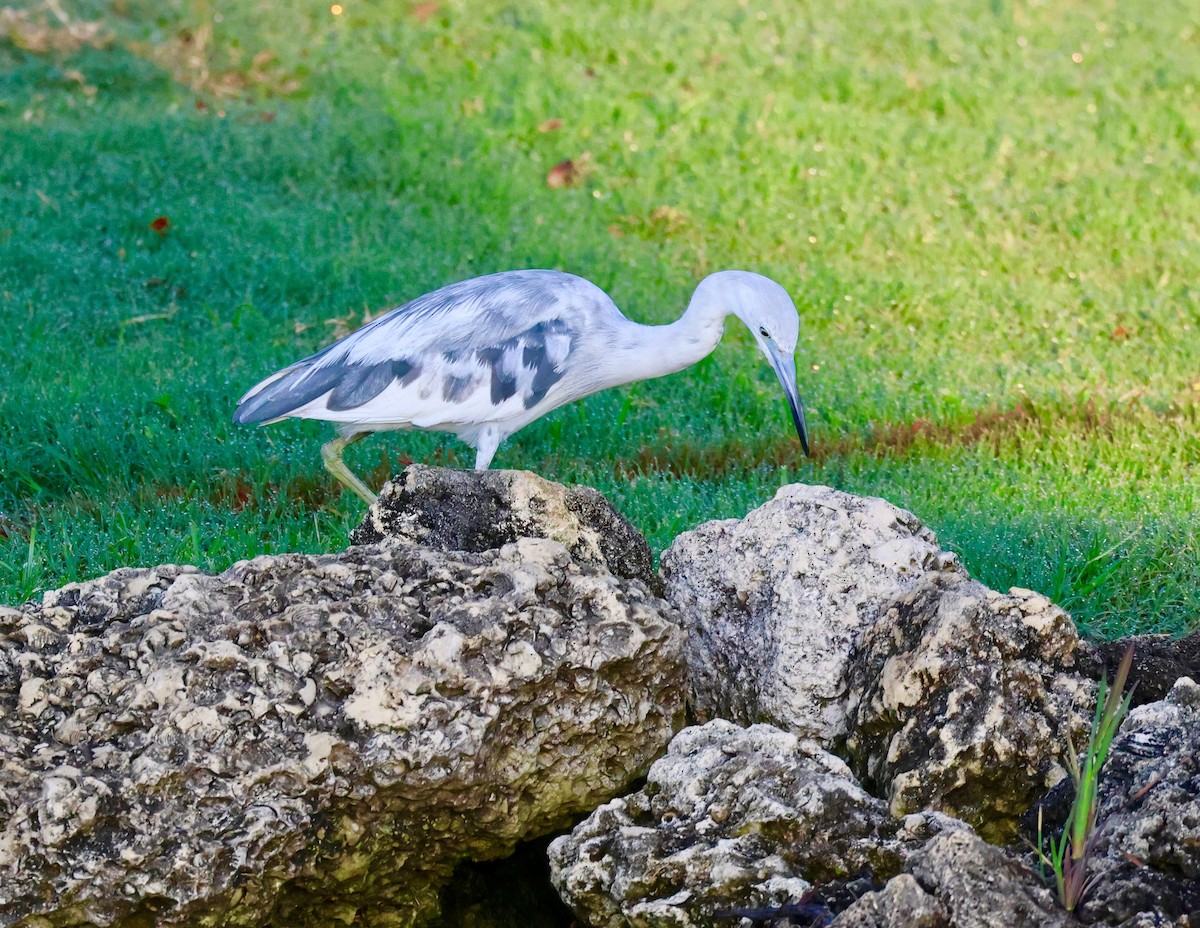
[(771, 316)]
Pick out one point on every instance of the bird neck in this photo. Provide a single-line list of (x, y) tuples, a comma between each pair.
[(657, 350)]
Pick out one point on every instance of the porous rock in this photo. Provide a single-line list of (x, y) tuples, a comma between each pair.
[(463, 510), (774, 603), (730, 818), (304, 741), (959, 881), (901, 903), (963, 699), (1147, 856)]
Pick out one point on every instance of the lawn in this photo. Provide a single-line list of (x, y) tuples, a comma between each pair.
[(988, 214)]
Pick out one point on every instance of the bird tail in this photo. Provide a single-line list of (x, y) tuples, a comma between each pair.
[(284, 392)]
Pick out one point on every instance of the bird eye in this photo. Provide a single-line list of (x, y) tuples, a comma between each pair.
[(762, 330)]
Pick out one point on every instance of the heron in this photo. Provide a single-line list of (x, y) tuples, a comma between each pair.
[(483, 358)]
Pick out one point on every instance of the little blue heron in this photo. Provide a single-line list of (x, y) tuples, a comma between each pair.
[(483, 358)]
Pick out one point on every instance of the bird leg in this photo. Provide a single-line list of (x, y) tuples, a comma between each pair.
[(485, 447), (331, 454)]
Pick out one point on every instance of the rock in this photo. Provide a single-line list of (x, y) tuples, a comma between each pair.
[(308, 741), (1152, 920), (775, 602), (962, 700), (729, 818), (1147, 856), (465, 510), (1158, 661), (981, 886), (902, 903), (958, 881)]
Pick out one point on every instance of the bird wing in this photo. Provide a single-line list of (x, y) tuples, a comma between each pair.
[(481, 350)]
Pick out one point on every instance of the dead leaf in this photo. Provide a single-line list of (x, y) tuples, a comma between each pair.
[(150, 317), (570, 172), (160, 225), (1119, 334), (423, 11), (472, 107), (550, 125)]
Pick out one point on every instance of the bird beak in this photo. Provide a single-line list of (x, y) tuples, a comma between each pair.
[(785, 370)]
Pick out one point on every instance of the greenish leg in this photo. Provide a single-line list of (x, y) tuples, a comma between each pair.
[(331, 454)]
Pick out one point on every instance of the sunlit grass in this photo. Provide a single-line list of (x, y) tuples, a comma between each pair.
[(991, 243)]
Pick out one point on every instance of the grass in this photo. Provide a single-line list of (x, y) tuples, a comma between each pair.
[(986, 213), (1069, 856)]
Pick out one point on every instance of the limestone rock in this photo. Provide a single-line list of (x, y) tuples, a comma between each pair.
[(1156, 920), (730, 817), (1147, 859), (309, 741), (981, 886), (958, 881), (962, 700), (902, 903), (774, 603), (463, 510)]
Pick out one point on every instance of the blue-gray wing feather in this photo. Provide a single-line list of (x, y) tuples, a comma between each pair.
[(511, 331)]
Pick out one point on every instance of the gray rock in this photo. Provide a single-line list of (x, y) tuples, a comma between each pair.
[(902, 903), (981, 886), (1147, 857), (962, 699), (307, 741), (959, 881), (465, 510), (775, 603), (1152, 920), (730, 817)]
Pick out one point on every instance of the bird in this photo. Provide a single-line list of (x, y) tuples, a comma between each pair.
[(483, 358)]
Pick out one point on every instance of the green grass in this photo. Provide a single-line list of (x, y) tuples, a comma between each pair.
[(994, 248)]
